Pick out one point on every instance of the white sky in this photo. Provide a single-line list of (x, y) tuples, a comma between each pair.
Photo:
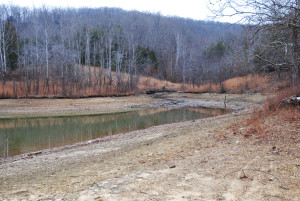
[(195, 9)]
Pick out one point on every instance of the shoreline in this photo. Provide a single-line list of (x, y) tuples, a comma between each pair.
[(121, 166), (32, 108), (170, 103), (99, 140)]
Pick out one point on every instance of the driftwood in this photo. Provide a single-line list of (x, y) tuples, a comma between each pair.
[(225, 102), (255, 170), (292, 101), (164, 89)]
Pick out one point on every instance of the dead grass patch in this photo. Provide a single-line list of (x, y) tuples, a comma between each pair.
[(244, 84), (99, 85), (273, 122)]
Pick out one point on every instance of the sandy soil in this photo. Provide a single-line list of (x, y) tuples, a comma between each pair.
[(193, 160)]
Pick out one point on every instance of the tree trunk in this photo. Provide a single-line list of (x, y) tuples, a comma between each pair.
[(88, 57), (47, 58), (296, 66), (4, 67), (109, 60), (177, 54)]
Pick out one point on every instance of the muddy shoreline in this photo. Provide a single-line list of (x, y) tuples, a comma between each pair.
[(179, 161), (164, 102), (25, 108)]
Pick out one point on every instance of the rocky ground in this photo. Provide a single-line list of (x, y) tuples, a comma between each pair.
[(193, 160)]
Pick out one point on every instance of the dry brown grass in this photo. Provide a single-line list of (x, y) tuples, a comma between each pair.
[(213, 88), (283, 124), (73, 90), (257, 83), (249, 83), (154, 83), (273, 121), (238, 85)]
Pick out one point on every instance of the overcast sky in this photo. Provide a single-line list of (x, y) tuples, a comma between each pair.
[(195, 9)]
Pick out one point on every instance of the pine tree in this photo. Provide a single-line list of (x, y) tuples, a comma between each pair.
[(11, 41)]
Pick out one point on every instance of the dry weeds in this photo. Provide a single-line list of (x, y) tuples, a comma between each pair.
[(101, 87), (272, 119)]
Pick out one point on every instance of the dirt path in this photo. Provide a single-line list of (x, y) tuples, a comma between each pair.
[(181, 161)]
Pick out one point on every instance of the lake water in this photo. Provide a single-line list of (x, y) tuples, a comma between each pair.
[(23, 135)]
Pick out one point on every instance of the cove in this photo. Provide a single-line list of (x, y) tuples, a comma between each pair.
[(23, 135)]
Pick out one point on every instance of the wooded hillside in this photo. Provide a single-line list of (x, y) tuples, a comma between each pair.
[(71, 51)]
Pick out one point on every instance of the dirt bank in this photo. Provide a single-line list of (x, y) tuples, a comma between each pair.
[(54, 107), (181, 161)]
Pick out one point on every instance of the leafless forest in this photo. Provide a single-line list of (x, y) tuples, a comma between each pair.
[(82, 52)]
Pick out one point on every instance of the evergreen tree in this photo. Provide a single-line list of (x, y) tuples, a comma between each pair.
[(11, 41)]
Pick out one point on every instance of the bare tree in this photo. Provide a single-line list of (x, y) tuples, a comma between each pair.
[(54, 45), (45, 15), (268, 16)]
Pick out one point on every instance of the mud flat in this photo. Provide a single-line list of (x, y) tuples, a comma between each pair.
[(192, 160)]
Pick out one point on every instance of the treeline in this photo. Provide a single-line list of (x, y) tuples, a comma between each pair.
[(272, 43), (106, 48), (69, 52)]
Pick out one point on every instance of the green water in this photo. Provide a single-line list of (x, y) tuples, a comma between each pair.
[(23, 135)]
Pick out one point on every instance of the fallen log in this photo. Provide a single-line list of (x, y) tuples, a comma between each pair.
[(153, 91), (293, 101)]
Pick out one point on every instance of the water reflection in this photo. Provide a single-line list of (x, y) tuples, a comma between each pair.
[(19, 136)]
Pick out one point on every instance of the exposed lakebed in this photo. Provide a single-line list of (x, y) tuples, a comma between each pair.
[(23, 135)]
